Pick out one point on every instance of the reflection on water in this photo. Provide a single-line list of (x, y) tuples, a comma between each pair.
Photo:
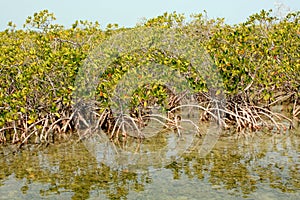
[(266, 167)]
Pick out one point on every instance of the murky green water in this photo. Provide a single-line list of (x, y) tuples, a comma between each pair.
[(264, 167)]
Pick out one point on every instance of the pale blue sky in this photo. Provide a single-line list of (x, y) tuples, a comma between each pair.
[(128, 12)]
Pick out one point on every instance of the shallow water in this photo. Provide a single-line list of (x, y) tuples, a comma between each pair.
[(261, 167)]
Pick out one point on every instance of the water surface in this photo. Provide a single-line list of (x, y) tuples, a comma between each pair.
[(261, 167)]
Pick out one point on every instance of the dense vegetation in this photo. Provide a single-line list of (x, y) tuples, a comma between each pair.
[(258, 61)]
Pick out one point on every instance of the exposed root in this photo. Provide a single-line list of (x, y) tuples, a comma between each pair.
[(296, 109), (238, 113)]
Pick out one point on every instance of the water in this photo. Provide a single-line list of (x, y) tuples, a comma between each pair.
[(261, 167)]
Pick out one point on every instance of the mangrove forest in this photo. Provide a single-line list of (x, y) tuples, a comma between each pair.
[(46, 69)]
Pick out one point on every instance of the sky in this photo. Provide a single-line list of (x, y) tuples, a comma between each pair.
[(127, 13)]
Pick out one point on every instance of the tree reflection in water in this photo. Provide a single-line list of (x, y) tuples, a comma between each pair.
[(239, 167)]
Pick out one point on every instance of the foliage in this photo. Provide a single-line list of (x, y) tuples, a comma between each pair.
[(263, 52), (38, 68)]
